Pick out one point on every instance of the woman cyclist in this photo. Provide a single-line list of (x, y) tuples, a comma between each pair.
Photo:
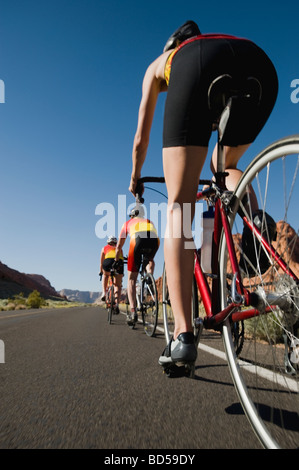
[(106, 263), (189, 64), (143, 238)]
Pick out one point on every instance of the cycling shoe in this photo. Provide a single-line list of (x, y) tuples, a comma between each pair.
[(181, 350)]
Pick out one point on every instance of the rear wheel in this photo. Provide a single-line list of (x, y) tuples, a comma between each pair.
[(110, 303), (150, 306), (266, 374)]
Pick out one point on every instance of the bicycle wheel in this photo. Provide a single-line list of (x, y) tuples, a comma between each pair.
[(266, 375), (150, 304), (110, 304), (168, 318)]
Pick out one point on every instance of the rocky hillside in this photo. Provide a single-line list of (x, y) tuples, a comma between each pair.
[(13, 282), (80, 296)]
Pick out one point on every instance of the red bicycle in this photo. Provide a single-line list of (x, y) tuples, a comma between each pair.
[(253, 299)]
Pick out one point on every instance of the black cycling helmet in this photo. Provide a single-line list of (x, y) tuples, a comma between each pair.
[(186, 31)]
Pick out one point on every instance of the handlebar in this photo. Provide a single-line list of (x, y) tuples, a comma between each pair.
[(151, 179), (146, 179), (161, 179)]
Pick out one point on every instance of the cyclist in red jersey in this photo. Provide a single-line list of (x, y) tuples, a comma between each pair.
[(189, 64), (107, 261), (143, 238)]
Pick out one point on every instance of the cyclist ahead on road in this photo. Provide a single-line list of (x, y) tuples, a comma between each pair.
[(106, 263), (143, 239), (190, 62)]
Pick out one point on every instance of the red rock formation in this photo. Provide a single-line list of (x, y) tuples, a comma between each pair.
[(13, 282)]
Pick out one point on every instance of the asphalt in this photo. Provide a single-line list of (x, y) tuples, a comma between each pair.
[(72, 381)]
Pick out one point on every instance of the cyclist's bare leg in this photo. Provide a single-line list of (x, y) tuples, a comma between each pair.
[(132, 277), (105, 279), (150, 267), (182, 168), (232, 157)]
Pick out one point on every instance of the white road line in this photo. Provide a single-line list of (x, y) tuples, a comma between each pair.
[(280, 379)]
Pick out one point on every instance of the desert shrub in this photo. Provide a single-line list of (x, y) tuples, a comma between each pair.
[(35, 300)]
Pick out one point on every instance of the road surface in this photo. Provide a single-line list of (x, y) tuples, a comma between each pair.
[(72, 381)]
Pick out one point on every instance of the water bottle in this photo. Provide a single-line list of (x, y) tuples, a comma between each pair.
[(207, 240)]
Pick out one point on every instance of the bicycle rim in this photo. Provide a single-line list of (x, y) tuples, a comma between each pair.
[(168, 317), (266, 374), (150, 304)]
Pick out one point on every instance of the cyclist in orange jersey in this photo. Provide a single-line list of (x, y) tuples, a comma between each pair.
[(143, 236), (107, 260), (190, 62)]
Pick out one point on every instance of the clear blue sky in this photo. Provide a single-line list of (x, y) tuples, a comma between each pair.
[(73, 71)]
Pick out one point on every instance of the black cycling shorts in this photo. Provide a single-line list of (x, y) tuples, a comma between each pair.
[(187, 118), (144, 243), (108, 262)]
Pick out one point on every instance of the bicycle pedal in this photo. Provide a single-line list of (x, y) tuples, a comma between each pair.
[(173, 371), (176, 371)]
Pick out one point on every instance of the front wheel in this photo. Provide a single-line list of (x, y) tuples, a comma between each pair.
[(266, 375), (150, 304)]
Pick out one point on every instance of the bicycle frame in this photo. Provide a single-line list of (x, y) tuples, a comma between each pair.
[(112, 275), (110, 284), (240, 295)]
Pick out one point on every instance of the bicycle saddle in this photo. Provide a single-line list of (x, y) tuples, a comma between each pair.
[(229, 97)]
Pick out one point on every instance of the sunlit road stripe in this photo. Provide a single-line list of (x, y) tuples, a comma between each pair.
[(279, 379), (282, 380)]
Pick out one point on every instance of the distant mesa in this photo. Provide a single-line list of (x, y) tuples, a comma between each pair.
[(80, 296)]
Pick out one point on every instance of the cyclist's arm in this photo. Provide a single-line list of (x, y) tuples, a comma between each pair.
[(121, 240), (101, 260), (153, 84), (118, 251)]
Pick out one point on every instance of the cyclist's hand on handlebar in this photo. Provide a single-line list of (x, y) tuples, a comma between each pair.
[(136, 188), (116, 264), (132, 186)]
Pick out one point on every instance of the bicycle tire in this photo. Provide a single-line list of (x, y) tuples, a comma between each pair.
[(266, 376), (110, 309), (168, 318), (150, 304)]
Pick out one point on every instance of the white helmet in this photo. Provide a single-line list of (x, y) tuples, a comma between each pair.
[(112, 239), (138, 211)]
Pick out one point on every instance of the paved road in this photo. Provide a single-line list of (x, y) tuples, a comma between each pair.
[(70, 380)]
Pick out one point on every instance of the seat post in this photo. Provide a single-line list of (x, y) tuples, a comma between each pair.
[(220, 157), (221, 174)]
